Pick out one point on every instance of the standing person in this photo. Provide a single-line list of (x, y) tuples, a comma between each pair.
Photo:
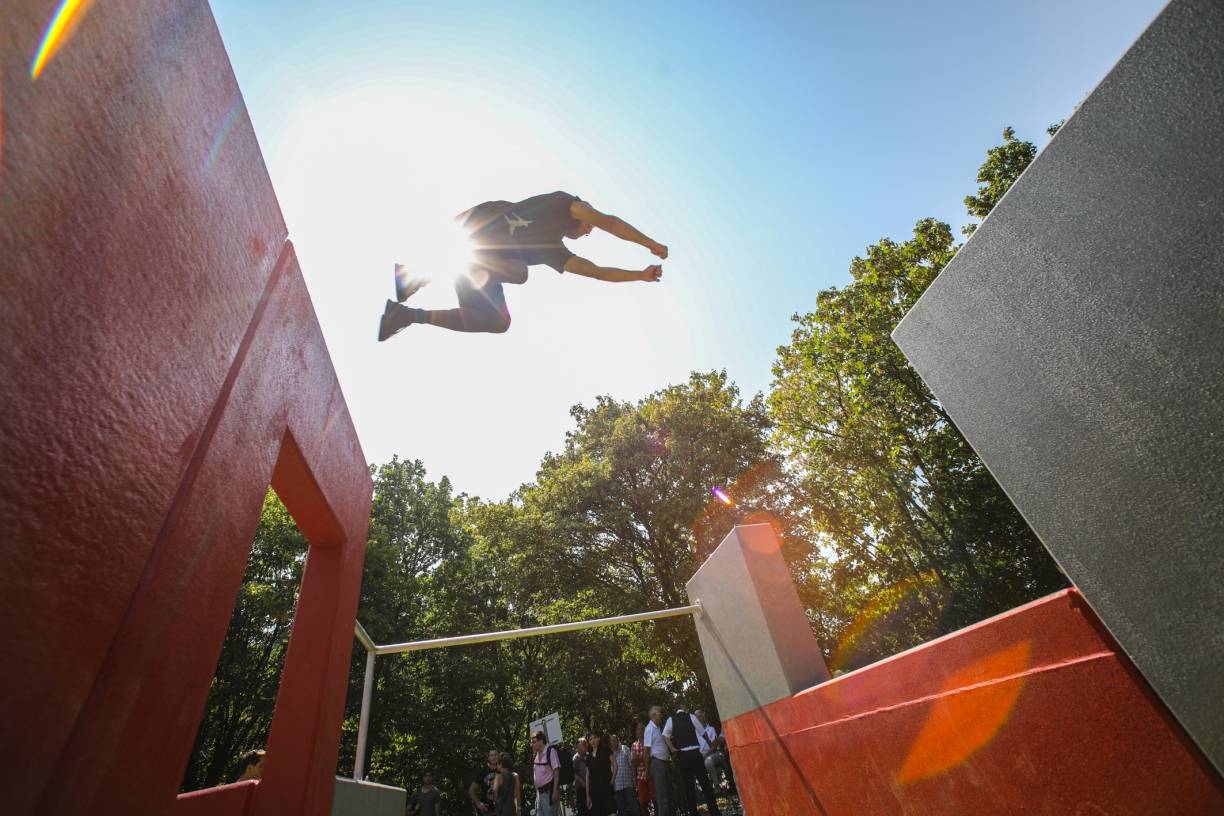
[(546, 774), (711, 756), (660, 758), (508, 238), (600, 769), (507, 788), (582, 779), (480, 789), (639, 756), (624, 780), (425, 801), (685, 737)]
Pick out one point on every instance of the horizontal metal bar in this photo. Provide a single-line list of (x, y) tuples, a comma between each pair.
[(488, 637), (364, 637)]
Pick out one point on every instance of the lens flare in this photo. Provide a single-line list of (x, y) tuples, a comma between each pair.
[(971, 708), (222, 133), (722, 497), (64, 22), (899, 600)]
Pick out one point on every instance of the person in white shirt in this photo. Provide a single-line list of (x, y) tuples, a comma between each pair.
[(660, 757), (685, 736), (711, 753)]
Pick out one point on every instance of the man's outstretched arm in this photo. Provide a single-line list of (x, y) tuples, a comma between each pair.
[(581, 266), (615, 226)]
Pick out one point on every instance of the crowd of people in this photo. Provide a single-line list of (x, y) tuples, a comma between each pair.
[(680, 751)]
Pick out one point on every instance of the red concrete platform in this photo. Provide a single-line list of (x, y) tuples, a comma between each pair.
[(1035, 711)]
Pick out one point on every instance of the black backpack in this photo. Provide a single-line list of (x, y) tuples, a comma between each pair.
[(566, 760)]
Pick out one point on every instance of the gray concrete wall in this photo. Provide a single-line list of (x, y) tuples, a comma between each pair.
[(354, 798), (755, 636), (1077, 340)]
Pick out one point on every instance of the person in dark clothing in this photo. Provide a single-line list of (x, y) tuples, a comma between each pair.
[(603, 800), (507, 790), (508, 237), (686, 737), (425, 801), (480, 787)]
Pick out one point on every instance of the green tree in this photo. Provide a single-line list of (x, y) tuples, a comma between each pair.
[(238, 714), (1004, 164), (913, 536)]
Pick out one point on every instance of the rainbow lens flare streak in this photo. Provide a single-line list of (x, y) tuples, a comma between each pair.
[(63, 23), (219, 140), (722, 497)]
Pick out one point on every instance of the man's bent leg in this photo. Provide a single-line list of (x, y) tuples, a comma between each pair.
[(482, 308)]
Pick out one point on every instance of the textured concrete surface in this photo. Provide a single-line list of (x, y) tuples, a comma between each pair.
[(367, 799), (754, 634), (1077, 340), (1035, 712), (163, 366)]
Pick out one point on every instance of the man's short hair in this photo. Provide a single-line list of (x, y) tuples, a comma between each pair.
[(655, 708), (538, 735), (252, 757)]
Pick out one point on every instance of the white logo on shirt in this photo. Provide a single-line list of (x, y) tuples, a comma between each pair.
[(516, 222)]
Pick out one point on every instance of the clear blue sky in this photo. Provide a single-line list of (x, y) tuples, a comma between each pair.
[(766, 144)]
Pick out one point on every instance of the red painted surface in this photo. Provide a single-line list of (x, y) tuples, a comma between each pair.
[(163, 365), (1033, 712)]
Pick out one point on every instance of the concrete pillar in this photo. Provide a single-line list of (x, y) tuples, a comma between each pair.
[(755, 636)]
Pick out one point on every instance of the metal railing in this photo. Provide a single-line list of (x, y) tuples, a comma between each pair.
[(373, 650)]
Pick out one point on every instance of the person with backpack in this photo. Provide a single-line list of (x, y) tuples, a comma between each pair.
[(546, 775)]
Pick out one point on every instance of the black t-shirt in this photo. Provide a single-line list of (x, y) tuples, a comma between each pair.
[(484, 778), (426, 802), (531, 229)]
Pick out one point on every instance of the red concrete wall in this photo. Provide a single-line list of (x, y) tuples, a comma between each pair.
[(1033, 712), (163, 365)]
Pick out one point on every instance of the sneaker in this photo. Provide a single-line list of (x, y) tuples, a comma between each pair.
[(394, 318), (406, 285)]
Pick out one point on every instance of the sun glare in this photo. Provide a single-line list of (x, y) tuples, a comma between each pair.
[(440, 254)]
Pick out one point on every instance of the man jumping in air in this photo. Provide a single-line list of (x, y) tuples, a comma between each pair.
[(507, 239)]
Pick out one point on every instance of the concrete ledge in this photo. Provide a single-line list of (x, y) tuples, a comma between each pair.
[(353, 798)]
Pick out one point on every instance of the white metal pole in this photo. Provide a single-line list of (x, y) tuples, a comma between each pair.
[(363, 728), (487, 637)]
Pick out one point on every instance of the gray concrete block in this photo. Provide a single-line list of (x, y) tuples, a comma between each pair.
[(353, 798), (1077, 340), (755, 636)]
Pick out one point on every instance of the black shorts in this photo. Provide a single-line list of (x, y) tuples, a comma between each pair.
[(481, 288)]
